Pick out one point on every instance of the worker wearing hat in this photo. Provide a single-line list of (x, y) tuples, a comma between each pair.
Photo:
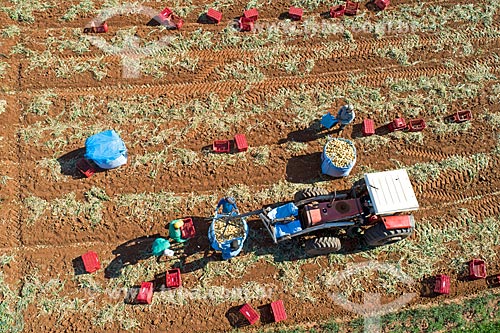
[(228, 205), (345, 116), (175, 232)]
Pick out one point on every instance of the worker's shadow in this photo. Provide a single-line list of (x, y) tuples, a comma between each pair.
[(196, 252), (130, 253), (313, 132)]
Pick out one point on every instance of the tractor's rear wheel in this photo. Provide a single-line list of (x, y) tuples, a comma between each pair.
[(309, 193), (379, 235), (323, 245)]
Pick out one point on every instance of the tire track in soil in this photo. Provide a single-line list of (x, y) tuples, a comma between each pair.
[(424, 154), (263, 89), (362, 47), (455, 178)]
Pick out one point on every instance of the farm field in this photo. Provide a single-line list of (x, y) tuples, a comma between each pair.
[(426, 59)]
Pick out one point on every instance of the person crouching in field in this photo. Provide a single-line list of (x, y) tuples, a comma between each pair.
[(344, 117)]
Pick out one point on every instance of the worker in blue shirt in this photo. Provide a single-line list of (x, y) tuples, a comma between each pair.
[(228, 205), (345, 116)]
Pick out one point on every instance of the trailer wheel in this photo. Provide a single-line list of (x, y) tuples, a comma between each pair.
[(378, 235), (323, 245), (310, 193)]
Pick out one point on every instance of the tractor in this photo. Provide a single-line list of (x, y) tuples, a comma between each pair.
[(374, 212)]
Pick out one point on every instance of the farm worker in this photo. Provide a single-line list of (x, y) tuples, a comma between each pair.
[(228, 205), (175, 232), (161, 246), (345, 116)]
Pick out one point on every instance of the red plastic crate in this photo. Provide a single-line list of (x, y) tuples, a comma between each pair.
[(85, 167), (249, 313), (477, 269), (278, 310), (245, 24), (382, 4), (251, 14), (351, 8), (166, 13), (442, 285), (177, 21), (462, 116), (173, 278), (295, 13), (241, 142), (416, 125), (145, 295), (91, 262), (102, 28), (368, 127), (214, 15), (397, 124), (337, 11), (187, 230), (221, 146)]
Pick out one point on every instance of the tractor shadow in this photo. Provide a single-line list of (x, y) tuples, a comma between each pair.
[(260, 243), (130, 253)]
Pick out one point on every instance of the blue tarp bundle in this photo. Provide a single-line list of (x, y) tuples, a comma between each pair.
[(284, 211), (106, 149), (225, 246), (283, 229)]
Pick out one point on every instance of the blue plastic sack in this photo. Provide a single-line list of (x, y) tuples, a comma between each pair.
[(327, 166), (106, 149), (328, 120), (283, 229), (225, 246), (284, 211)]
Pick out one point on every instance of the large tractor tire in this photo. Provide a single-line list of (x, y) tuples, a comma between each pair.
[(323, 245), (309, 193), (378, 235)]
